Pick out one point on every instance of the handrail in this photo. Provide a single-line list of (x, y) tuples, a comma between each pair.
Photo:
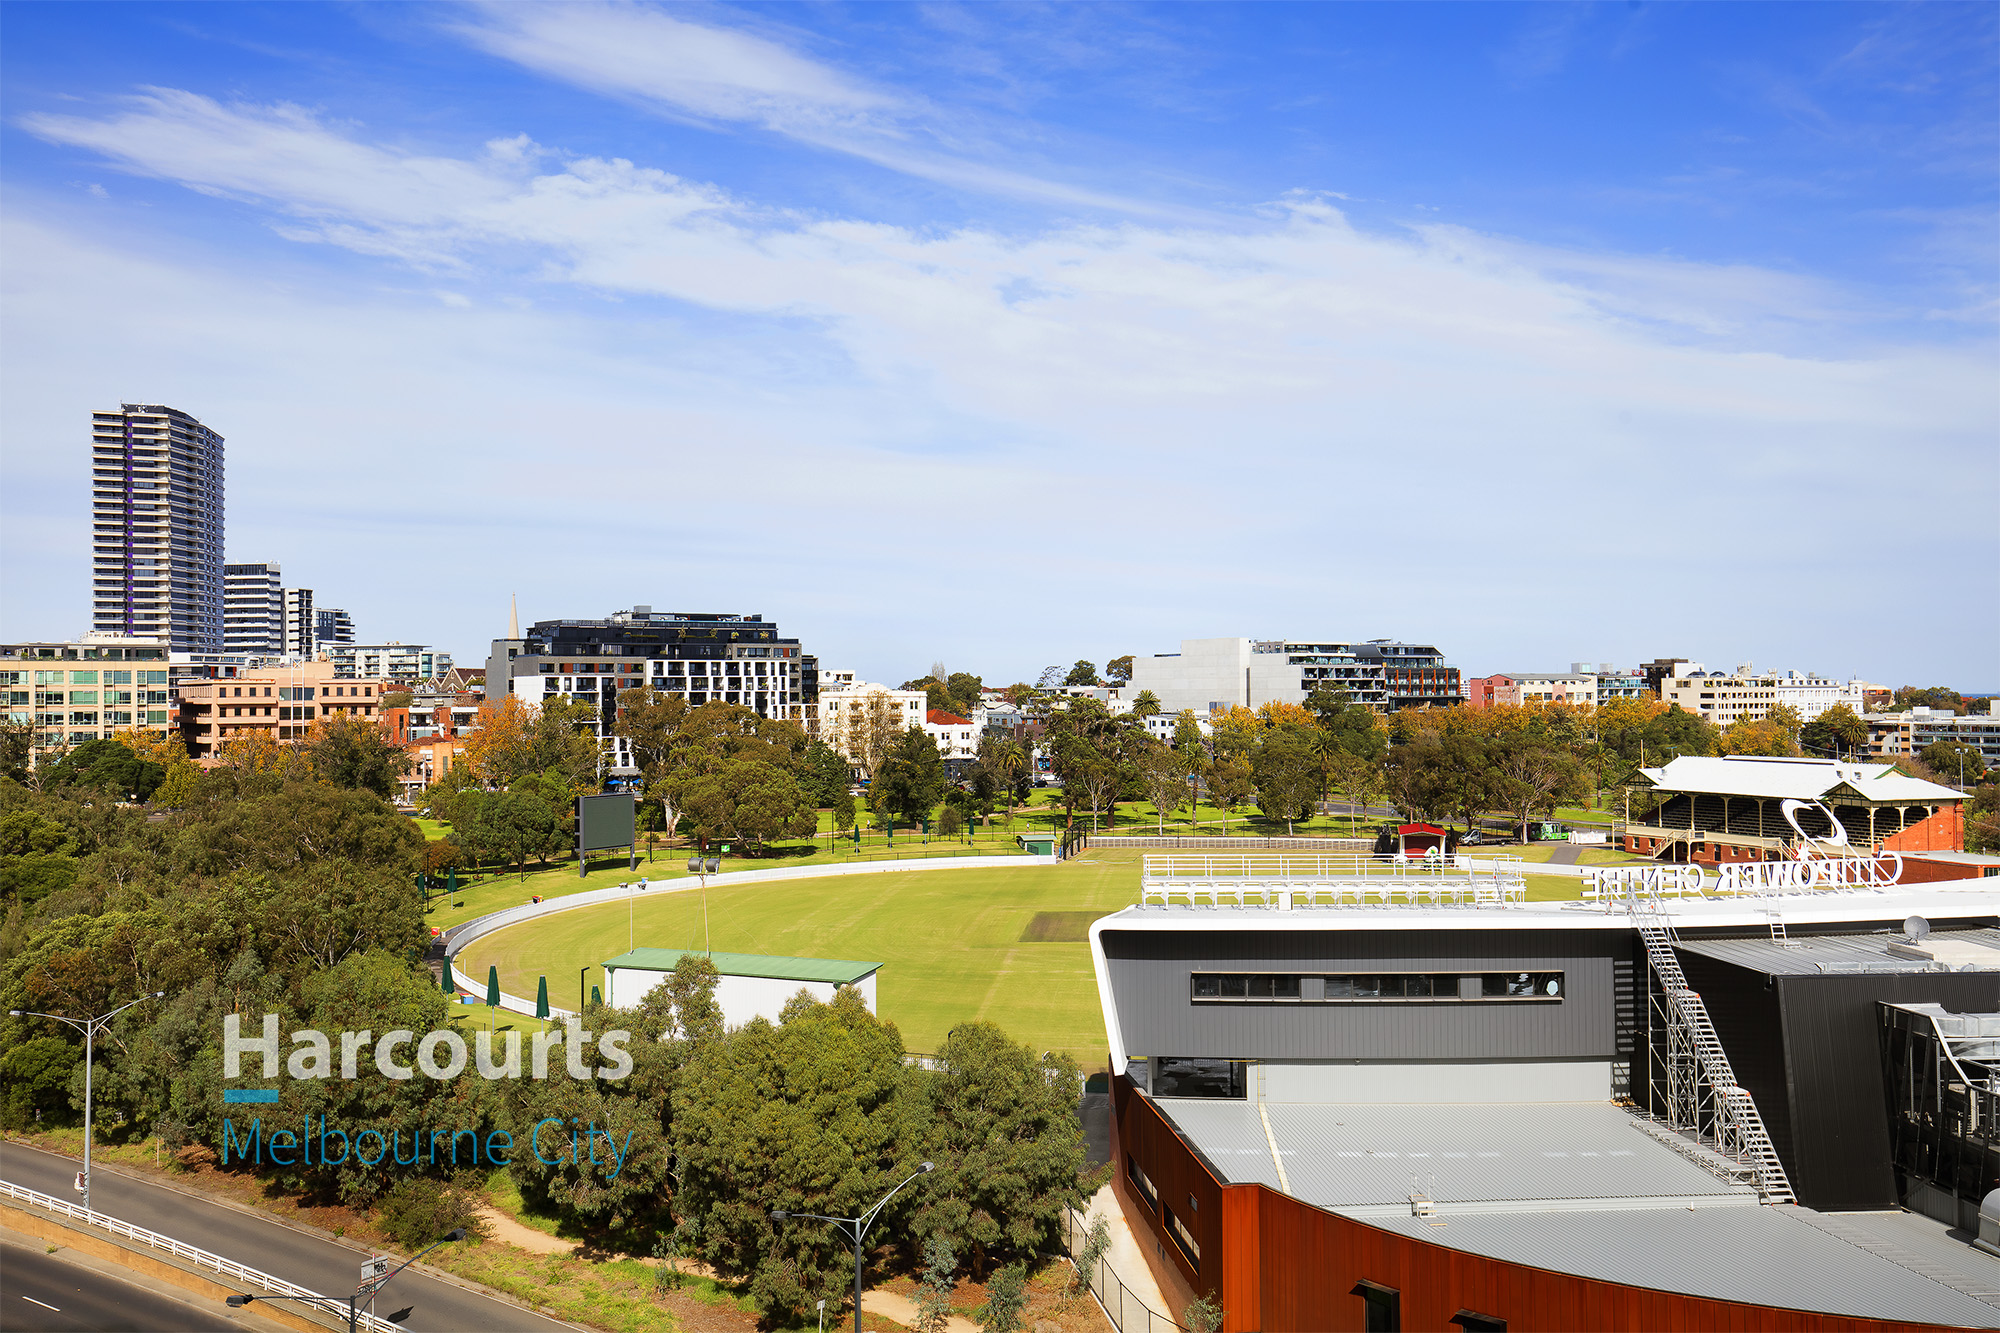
[(250, 1277), (1121, 1305)]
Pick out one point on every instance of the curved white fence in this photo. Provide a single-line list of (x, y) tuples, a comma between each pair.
[(257, 1283), (479, 927)]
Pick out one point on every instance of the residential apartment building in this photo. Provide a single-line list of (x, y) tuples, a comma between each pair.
[(282, 702), (703, 656), (1523, 687), (85, 690), (332, 628), (1910, 733), (253, 610), (410, 662), (1213, 675), (1746, 697), (861, 714), (157, 527), (300, 627)]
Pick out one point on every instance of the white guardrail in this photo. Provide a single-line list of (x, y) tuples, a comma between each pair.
[(460, 936), (255, 1282)]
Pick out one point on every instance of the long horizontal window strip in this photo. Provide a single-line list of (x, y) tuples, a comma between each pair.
[(1375, 987)]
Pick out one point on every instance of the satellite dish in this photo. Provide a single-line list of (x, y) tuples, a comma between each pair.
[(1916, 927)]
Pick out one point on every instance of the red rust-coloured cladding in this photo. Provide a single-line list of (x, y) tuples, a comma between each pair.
[(1277, 1265)]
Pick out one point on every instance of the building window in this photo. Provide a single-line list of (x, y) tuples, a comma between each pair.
[(1381, 1307), (1479, 1323), (1142, 1181), (1183, 1238), (1374, 988), (1195, 1076)]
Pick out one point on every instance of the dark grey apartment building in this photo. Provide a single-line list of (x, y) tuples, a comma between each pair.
[(156, 505)]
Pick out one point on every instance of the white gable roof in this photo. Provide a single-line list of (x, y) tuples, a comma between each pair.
[(1797, 779)]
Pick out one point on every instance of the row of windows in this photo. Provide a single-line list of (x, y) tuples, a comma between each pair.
[(1294, 987), (85, 677)]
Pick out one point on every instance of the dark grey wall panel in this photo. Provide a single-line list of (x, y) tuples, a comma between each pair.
[(1149, 972)]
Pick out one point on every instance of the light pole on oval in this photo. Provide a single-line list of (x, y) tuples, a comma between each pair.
[(88, 1027)]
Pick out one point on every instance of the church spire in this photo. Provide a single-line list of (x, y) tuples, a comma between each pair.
[(513, 616)]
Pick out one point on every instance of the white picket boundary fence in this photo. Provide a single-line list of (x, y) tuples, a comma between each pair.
[(256, 1282)]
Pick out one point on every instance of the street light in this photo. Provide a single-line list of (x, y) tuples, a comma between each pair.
[(857, 1227), (88, 1027), (370, 1285)]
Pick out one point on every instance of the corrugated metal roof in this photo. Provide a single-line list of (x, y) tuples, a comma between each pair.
[(1764, 1256), (1798, 779), (1813, 954), (1354, 1156), (1929, 1239), (839, 971)]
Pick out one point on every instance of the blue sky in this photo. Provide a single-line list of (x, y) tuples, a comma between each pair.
[(1003, 335)]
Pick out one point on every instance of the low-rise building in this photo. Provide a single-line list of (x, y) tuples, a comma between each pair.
[(862, 717), (1911, 732), (280, 702), (85, 689), (1214, 675), (409, 662), (957, 739), (1745, 696), (1756, 808)]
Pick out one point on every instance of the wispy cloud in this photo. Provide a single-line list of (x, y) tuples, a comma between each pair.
[(712, 74), (1293, 384)]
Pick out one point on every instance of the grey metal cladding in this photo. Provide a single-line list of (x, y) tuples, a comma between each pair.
[(1149, 973)]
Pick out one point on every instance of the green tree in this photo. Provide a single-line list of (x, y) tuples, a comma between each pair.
[(1231, 781), (749, 798), (1287, 775), (107, 765), (1000, 1123), (829, 777), (1119, 669), (1083, 673), (1006, 1300), (1954, 761), (1164, 771), (507, 828), (347, 751), (937, 1285), (1146, 705), (178, 787), (1837, 733), (803, 1116), (909, 782)]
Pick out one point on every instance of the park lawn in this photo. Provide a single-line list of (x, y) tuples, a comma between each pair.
[(433, 829), (950, 942)]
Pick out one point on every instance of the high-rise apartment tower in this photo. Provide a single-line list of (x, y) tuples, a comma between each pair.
[(332, 627), (157, 520), (253, 610), (299, 623)]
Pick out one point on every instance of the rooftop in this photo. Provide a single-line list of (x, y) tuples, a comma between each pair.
[(1814, 955), (838, 971), (1795, 779)]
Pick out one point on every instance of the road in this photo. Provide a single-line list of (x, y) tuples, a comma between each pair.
[(330, 1266), (43, 1293)]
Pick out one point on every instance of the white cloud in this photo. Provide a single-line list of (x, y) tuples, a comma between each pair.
[(699, 72), (1297, 424)]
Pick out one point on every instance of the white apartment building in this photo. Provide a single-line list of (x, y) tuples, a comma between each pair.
[(1212, 675), (957, 738), (1577, 689), (156, 500), (253, 616), (1911, 732), (297, 630), (1746, 697), (848, 710), (387, 661)]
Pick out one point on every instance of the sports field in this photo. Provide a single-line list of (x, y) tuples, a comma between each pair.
[(955, 945)]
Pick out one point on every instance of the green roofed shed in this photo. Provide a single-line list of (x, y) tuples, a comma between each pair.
[(751, 984)]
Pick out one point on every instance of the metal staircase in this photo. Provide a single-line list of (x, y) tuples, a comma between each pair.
[(1702, 1093)]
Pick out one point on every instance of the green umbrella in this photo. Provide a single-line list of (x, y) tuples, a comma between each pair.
[(595, 998), (542, 999), (444, 979), (493, 986)]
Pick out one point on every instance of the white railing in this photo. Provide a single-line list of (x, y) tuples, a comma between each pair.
[(1287, 882), (255, 1282)]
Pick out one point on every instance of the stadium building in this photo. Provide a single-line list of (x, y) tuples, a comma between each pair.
[(1363, 1095)]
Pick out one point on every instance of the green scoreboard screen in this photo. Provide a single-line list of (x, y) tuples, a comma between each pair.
[(605, 821)]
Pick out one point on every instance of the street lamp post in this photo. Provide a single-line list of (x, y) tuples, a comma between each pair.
[(88, 1027), (857, 1228), (241, 1299)]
